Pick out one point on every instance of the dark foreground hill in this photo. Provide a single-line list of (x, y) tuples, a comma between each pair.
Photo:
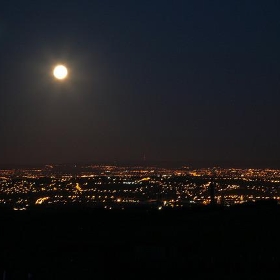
[(93, 244)]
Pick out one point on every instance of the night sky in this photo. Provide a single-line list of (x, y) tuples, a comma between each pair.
[(191, 81)]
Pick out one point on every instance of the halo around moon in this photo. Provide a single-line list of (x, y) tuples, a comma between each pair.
[(60, 72)]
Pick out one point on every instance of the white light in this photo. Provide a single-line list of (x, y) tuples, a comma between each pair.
[(60, 72)]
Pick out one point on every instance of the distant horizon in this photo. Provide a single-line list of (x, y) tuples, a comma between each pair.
[(157, 163)]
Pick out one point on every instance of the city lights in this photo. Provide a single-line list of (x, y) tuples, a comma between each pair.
[(126, 187)]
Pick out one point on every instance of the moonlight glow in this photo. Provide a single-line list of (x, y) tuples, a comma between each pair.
[(60, 72)]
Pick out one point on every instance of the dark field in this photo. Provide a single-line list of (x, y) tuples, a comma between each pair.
[(94, 244)]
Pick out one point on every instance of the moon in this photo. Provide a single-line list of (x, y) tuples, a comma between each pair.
[(60, 72)]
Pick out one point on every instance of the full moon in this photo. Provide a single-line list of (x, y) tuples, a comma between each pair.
[(60, 72)]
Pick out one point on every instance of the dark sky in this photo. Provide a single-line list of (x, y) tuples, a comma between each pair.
[(195, 81)]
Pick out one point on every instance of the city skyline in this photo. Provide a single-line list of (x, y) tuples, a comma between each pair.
[(112, 187), (172, 82)]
